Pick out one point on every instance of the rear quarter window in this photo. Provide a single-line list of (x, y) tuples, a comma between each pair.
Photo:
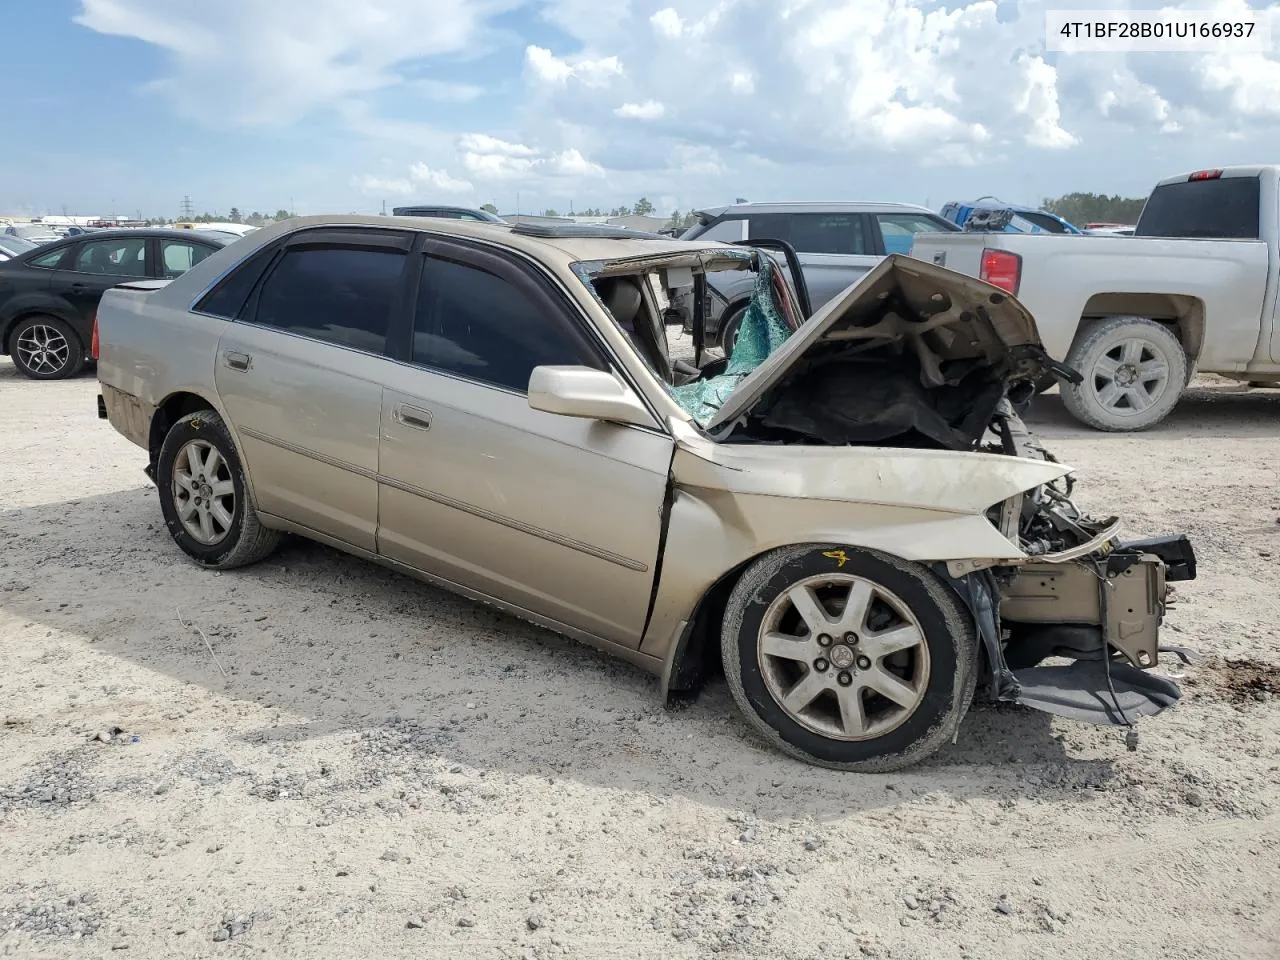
[(1222, 209)]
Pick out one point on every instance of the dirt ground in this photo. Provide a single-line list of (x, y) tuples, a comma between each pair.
[(316, 758)]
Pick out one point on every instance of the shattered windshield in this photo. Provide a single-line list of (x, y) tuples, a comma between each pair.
[(637, 294), (763, 330)]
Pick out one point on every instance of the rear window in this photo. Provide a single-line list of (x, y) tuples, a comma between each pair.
[(1223, 209)]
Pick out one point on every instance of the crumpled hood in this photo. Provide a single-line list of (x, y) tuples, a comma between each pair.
[(947, 320)]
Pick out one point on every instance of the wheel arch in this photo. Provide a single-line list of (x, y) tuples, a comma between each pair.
[(1183, 314), (22, 312), (689, 647)]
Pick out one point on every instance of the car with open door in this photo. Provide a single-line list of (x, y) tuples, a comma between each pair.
[(49, 294), (847, 516)]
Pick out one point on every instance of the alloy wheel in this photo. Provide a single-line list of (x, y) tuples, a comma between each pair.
[(42, 349), (204, 494), (1130, 377), (843, 656)]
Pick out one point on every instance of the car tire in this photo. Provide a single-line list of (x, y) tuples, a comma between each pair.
[(887, 687), (728, 333), (46, 348), (1134, 371), (204, 497)]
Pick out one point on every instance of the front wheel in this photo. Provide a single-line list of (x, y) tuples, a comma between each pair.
[(850, 659), (204, 498), (1134, 370), (729, 327)]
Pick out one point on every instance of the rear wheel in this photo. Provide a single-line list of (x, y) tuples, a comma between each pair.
[(46, 348), (1134, 370), (846, 658), (204, 498)]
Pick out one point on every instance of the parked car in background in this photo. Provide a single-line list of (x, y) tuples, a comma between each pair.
[(36, 233), (1193, 289), (836, 242), (447, 213), (492, 409), (11, 247), (236, 229), (1109, 229), (49, 295), (1022, 219)]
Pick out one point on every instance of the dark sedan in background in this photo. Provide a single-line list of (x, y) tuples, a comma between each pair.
[(49, 296)]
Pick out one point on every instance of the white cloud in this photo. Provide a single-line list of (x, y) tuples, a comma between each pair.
[(438, 179), (490, 159), (1038, 102), (667, 23), (421, 176), (445, 92), (483, 143), (258, 63), (548, 68), (649, 110), (898, 99), (379, 186)]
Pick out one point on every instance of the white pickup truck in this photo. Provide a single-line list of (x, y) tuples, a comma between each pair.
[(1194, 289)]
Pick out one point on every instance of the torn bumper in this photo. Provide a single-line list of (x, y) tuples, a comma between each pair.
[(1103, 611)]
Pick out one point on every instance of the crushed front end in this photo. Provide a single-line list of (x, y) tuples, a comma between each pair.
[(1085, 596)]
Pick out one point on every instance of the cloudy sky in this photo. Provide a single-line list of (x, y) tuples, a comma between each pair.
[(331, 105)]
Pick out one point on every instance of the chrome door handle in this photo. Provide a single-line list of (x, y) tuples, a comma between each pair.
[(237, 361), (412, 416)]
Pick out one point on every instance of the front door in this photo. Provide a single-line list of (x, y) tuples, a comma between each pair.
[(558, 515), (97, 265), (300, 376)]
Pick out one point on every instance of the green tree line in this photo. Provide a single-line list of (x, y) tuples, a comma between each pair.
[(1082, 208)]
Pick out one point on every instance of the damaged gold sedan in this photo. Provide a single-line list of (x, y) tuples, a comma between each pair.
[(848, 516)]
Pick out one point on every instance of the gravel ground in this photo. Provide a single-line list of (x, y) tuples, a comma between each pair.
[(314, 756)]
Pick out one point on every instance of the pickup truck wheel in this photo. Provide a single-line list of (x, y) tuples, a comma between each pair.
[(850, 659), (45, 348), (1134, 370), (204, 498)]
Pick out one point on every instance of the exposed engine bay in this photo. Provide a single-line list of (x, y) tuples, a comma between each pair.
[(917, 356)]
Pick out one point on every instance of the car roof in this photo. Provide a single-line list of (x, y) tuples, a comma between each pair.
[(127, 234), (1227, 173), (559, 250), (816, 206)]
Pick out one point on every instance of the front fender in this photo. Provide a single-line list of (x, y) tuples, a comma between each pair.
[(714, 533)]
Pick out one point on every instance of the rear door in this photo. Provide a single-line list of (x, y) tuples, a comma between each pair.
[(896, 232), (560, 516), (300, 375)]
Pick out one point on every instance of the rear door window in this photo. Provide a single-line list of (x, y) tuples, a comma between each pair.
[(1222, 209), (337, 294), (819, 233), (179, 256), (899, 230)]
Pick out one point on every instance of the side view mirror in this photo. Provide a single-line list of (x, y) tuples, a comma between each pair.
[(587, 393)]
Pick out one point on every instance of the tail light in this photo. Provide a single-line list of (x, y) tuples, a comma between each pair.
[(1205, 175), (93, 341), (1002, 269)]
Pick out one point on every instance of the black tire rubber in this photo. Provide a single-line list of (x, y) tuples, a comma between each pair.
[(248, 540), (1079, 398), (949, 632), (729, 329), (75, 353)]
